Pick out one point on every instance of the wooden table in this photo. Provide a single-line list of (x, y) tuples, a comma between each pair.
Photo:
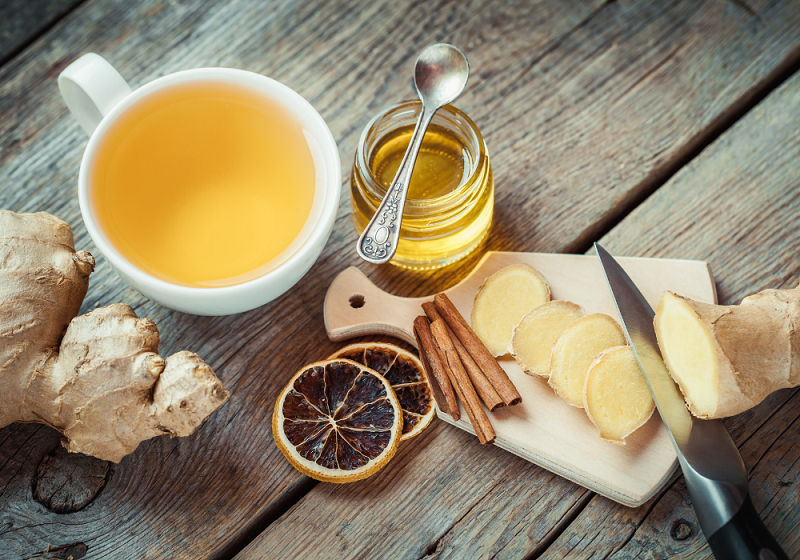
[(663, 129)]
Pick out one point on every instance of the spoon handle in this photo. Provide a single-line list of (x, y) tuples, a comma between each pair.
[(378, 243)]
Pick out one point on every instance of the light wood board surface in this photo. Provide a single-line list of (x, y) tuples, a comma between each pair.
[(543, 429)]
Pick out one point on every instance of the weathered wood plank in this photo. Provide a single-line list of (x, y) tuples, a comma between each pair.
[(23, 20), (577, 71), (734, 206), (416, 507), (545, 79)]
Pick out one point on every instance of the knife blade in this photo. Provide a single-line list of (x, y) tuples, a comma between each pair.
[(715, 474)]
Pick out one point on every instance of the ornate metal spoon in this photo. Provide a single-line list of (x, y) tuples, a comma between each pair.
[(440, 75)]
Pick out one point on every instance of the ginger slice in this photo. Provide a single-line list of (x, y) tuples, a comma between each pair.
[(615, 396), (689, 352), (537, 332), (576, 349), (503, 299), (728, 358)]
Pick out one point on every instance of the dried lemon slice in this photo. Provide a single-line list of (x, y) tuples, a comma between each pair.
[(337, 421), (404, 372)]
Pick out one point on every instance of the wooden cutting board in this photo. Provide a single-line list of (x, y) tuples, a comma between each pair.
[(543, 429)]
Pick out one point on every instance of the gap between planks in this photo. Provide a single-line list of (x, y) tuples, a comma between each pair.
[(265, 519), (561, 526), (660, 176), (5, 58)]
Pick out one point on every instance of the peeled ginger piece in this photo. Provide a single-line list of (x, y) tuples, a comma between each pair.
[(728, 358), (537, 333), (576, 349), (689, 351), (503, 299), (616, 397)]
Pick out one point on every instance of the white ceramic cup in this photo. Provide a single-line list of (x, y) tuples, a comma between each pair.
[(97, 95)]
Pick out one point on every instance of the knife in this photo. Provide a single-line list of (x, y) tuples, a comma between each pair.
[(712, 466)]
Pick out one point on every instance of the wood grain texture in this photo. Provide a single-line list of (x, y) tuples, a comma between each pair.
[(582, 104), (736, 205), (68, 482), (372, 519), (544, 429)]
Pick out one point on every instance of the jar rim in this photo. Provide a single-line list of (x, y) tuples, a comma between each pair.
[(379, 190)]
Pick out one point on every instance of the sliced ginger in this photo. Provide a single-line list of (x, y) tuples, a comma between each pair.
[(503, 299), (575, 351), (537, 333), (615, 396), (728, 358)]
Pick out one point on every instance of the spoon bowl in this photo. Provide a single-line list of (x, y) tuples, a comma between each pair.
[(440, 74)]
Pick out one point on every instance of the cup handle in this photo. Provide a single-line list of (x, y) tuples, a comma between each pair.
[(91, 87)]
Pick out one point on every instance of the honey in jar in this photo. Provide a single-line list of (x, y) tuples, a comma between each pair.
[(450, 201)]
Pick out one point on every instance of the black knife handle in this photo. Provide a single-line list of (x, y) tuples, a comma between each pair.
[(745, 537)]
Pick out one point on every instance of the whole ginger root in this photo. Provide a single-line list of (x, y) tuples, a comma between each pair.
[(97, 378), (728, 358)]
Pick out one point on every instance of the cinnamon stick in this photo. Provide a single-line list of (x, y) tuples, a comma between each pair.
[(488, 364), (437, 375), (482, 385), (438, 395), (466, 392)]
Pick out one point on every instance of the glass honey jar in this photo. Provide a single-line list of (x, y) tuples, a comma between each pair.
[(451, 196)]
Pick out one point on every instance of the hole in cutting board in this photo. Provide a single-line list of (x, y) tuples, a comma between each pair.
[(357, 301)]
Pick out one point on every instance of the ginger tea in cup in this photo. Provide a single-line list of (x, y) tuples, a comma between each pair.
[(203, 183), (211, 191)]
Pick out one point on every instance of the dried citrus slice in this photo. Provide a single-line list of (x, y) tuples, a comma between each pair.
[(404, 372), (337, 421)]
